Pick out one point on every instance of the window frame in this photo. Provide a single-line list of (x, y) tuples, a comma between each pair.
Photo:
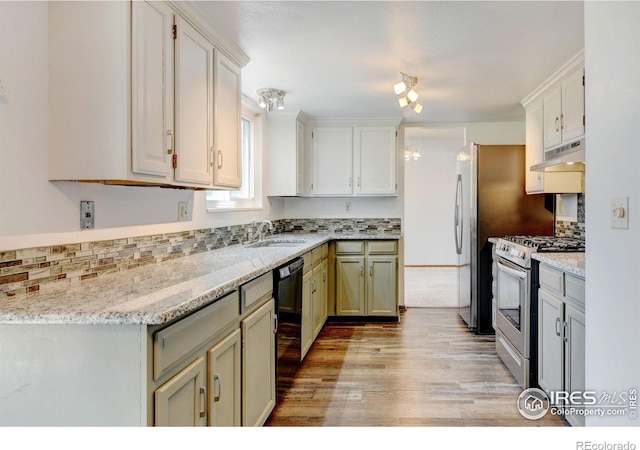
[(252, 113)]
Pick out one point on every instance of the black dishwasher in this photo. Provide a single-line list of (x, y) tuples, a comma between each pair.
[(287, 289)]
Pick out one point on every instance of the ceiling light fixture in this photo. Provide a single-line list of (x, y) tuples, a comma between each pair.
[(409, 96), (411, 153), (267, 97)]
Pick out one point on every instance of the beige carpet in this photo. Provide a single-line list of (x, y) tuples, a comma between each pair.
[(431, 287)]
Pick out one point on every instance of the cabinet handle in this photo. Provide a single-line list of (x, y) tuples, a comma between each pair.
[(565, 332), (324, 275), (358, 181), (371, 270), (220, 159), (169, 142), (557, 326), (217, 381), (275, 324), (203, 401), (349, 181), (557, 124), (562, 121), (361, 271)]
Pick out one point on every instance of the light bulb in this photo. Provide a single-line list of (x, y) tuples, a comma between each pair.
[(399, 88), (403, 102), (263, 102), (416, 155), (417, 107), (412, 95), (280, 103)]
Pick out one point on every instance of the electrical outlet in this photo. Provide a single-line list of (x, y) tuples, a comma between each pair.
[(87, 214), (347, 206), (183, 211), (620, 212)]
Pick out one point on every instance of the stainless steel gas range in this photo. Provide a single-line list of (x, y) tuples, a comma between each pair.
[(517, 300)]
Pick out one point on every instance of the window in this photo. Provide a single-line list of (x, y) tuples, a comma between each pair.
[(249, 196)]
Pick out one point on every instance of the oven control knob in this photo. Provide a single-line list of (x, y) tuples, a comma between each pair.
[(521, 254)]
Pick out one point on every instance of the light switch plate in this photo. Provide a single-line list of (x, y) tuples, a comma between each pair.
[(183, 211), (620, 212), (87, 214)]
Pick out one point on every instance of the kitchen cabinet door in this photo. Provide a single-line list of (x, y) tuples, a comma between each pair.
[(194, 55), (375, 161), (350, 286), (382, 286), (228, 155), (573, 106), (258, 365), (552, 108), (306, 324), (332, 161), (181, 401), (224, 382), (574, 358), (319, 297), (550, 342), (152, 89)]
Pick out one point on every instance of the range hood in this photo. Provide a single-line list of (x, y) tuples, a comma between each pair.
[(569, 157)]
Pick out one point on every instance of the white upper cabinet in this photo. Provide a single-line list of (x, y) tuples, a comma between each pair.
[(332, 161), (354, 160), (285, 161), (564, 110), (375, 161), (132, 93), (554, 116), (194, 105), (152, 89), (228, 161)]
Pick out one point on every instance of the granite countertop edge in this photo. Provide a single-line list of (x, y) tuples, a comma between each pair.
[(123, 298), (570, 262)]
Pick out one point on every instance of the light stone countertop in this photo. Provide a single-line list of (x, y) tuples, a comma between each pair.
[(159, 293), (570, 262)]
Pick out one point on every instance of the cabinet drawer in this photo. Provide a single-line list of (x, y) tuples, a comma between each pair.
[(172, 344), (349, 247), (316, 256), (325, 250), (575, 291), (254, 291), (552, 279), (382, 247), (308, 265)]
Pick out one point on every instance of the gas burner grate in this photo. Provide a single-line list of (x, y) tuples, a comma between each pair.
[(549, 244)]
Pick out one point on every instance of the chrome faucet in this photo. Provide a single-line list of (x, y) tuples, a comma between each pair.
[(258, 234)]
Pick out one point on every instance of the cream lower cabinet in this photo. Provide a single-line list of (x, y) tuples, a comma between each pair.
[(224, 382), (561, 334), (366, 278), (258, 365), (181, 401), (314, 296)]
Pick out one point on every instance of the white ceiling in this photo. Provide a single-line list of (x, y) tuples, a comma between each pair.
[(475, 61)]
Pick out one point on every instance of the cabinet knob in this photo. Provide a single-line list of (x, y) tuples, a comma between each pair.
[(169, 142)]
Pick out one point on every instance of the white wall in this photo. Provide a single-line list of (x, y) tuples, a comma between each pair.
[(430, 187), (429, 184), (34, 211), (612, 56)]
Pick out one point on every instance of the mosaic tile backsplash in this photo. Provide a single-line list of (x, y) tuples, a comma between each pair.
[(573, 229), (33, 269)]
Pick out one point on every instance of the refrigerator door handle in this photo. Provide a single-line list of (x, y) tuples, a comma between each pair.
[(457, 222)]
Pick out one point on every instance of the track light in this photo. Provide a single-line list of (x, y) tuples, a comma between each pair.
[(267, 97), (409, 95)]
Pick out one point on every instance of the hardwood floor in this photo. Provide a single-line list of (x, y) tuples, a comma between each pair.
[(426, 370)]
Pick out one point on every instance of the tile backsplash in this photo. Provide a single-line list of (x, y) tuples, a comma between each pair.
[(33, 269), (573, 229)]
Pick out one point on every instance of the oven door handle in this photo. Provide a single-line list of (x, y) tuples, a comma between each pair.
[(514, 272)]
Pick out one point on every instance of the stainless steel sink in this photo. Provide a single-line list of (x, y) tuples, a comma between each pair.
[(278, 243)]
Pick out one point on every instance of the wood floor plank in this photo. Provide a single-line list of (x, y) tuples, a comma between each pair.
[(425, 370)]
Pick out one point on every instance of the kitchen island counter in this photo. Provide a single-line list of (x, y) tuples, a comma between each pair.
[(571, 262), (159, 293)]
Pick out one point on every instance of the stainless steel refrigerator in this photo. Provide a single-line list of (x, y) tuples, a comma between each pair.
[(491, 202)]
